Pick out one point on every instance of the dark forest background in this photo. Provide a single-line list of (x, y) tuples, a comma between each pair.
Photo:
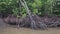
[(39, 7)]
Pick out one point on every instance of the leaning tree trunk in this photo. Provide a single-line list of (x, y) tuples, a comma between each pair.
[(23, 3), (33, 22)]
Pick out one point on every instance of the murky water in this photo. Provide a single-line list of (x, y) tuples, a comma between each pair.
[(14, 30)]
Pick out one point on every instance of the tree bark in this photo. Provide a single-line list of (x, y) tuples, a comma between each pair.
[(24, 4), (33, 23)]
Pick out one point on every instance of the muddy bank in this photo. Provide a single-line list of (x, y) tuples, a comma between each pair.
[(40, 22), (10, 30), (2, 23)]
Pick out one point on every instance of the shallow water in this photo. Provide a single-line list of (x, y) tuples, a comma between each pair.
[(14, 30)]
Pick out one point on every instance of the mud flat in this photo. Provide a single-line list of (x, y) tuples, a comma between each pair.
[(12, 30)]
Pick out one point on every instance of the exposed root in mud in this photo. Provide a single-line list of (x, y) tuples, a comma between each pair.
[(40, 22)]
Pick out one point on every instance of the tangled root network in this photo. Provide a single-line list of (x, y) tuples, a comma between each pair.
[(40, 22)]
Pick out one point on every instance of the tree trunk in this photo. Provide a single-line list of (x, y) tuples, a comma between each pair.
[(33, 23), (23, 3)]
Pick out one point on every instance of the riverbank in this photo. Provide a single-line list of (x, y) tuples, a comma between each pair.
[(9, 29)]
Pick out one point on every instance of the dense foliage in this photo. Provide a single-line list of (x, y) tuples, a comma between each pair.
[(39, 7)]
